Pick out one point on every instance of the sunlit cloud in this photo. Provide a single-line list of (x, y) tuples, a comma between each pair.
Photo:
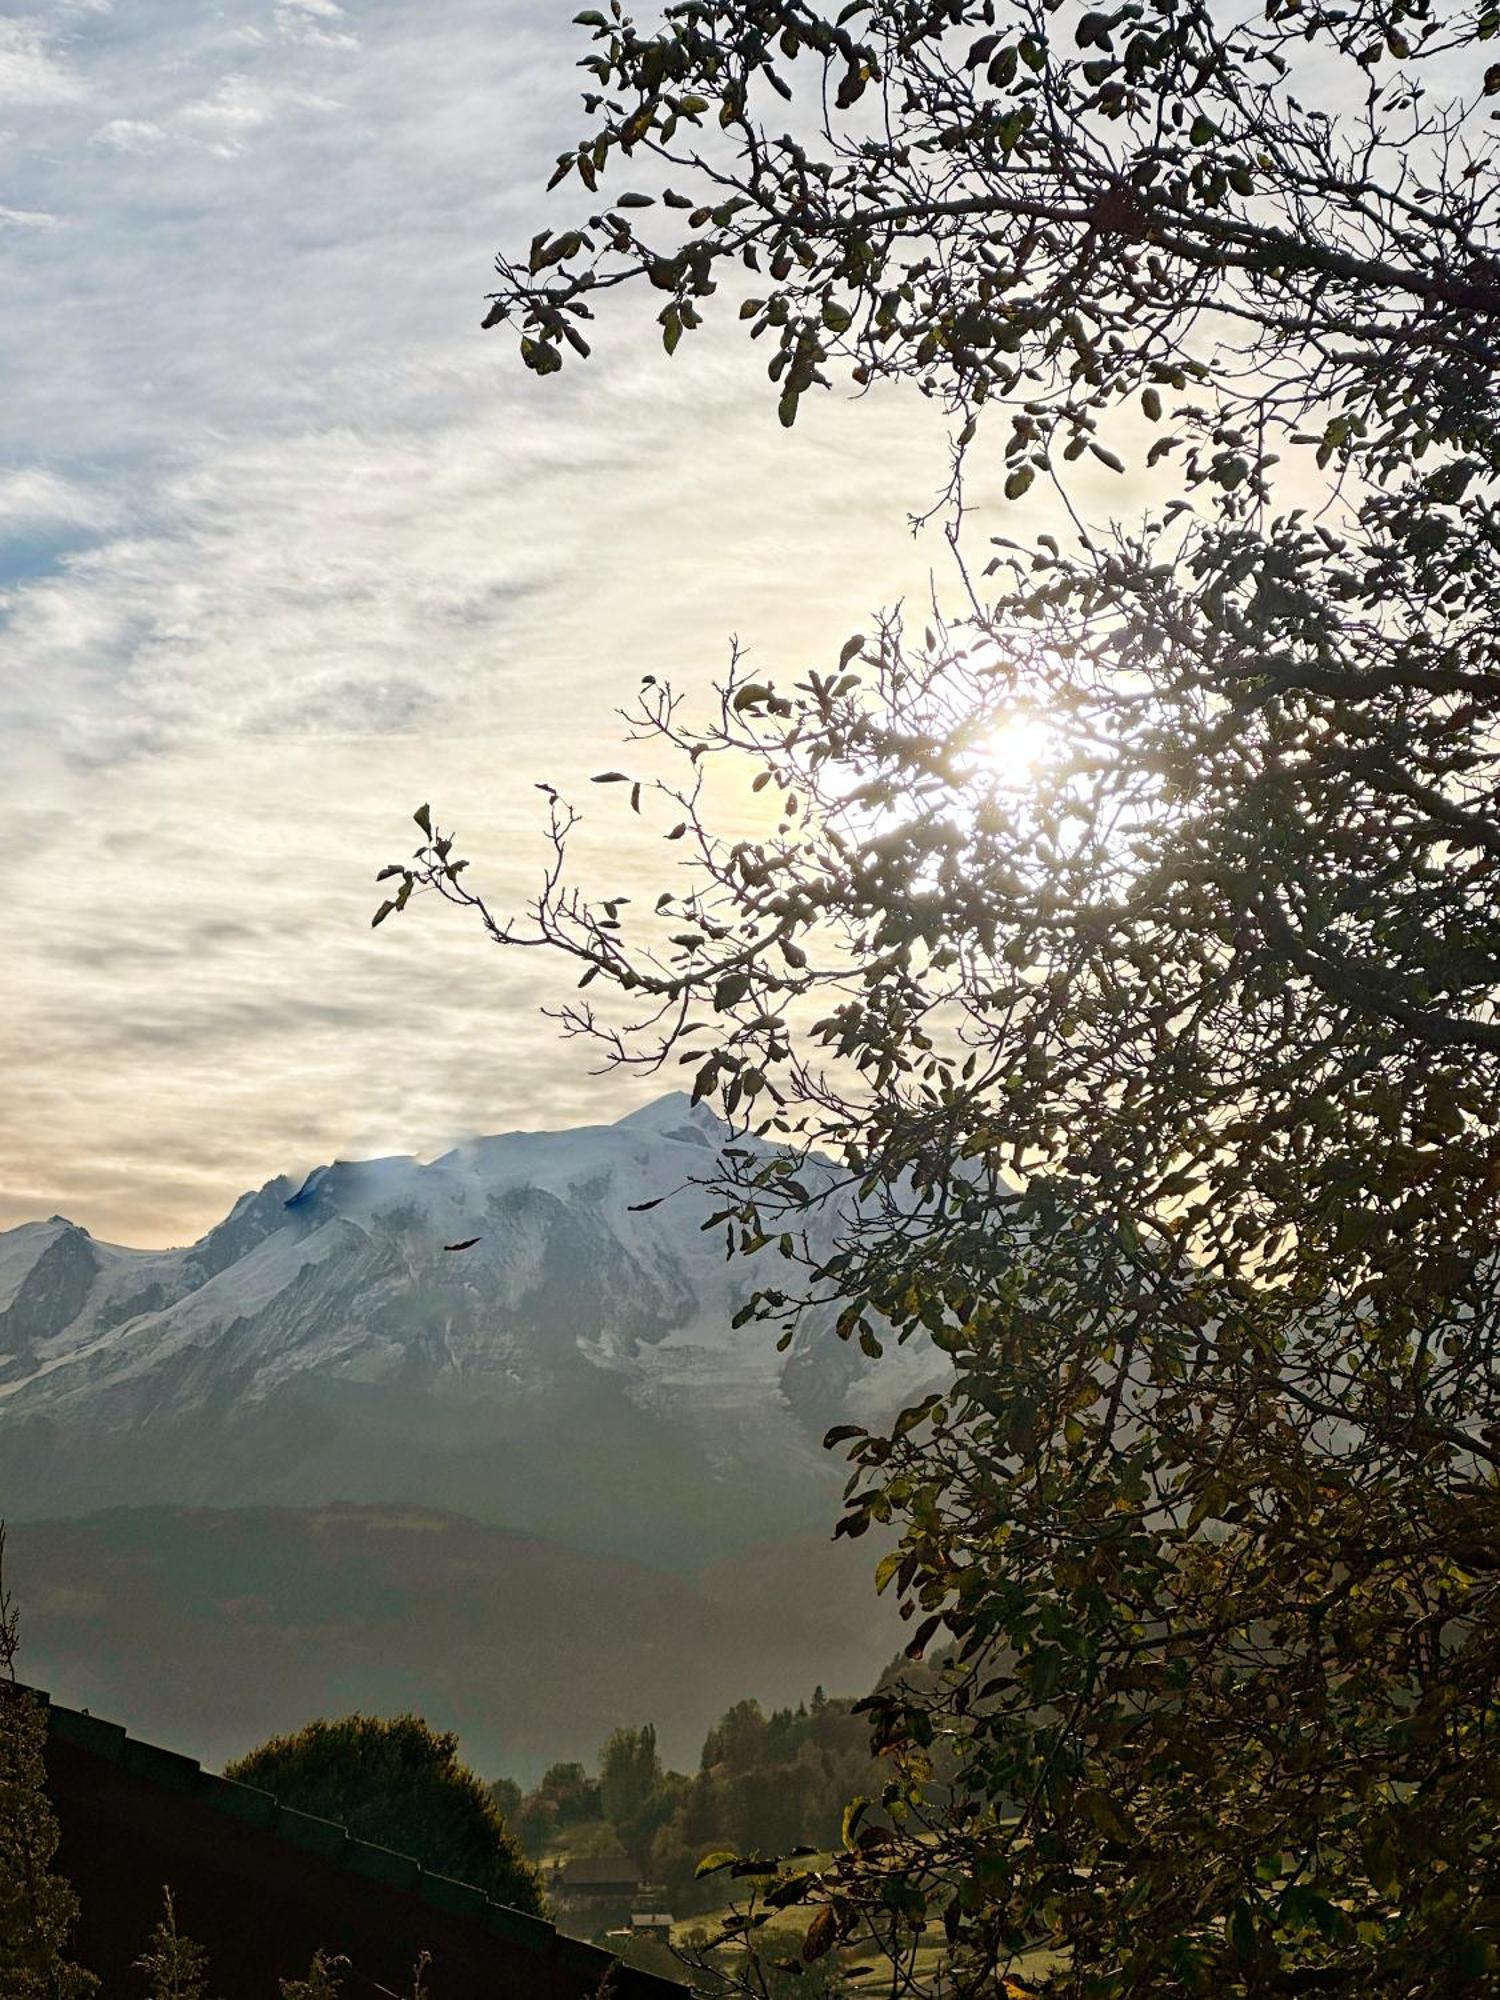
[(291, 545)]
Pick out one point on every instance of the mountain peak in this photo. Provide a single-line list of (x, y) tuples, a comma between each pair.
[(669, 1114)]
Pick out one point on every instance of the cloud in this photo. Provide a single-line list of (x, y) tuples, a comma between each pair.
[(34, 497), (130, 135), (32, 70), (306, 548)]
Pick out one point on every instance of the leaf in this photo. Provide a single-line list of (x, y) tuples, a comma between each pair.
[(423, 818), (722, 1857), (885, 1569), (821, 1936), (851, 649), (610, 778), (1097, 1805)]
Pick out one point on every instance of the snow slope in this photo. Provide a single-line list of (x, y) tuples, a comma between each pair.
[(571, 1372)]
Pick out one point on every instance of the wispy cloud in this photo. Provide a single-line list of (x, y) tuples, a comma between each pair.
[(33, 69), (294, 545)]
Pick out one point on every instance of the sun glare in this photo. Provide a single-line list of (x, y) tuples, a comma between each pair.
[(1010, 752)]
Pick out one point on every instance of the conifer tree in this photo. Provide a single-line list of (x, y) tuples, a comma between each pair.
[(175, 1967), (37, 1908)]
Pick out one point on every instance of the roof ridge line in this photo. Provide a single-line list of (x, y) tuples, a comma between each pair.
[(327, 1837)]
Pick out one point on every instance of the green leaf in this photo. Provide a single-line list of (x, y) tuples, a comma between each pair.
[(1112, 1821), (722, 1857)]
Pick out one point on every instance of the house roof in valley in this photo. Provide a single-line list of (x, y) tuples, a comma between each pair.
[(599, 1871)]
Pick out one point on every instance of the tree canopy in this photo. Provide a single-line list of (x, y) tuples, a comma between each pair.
[(1152, 1076), (399, 1784)]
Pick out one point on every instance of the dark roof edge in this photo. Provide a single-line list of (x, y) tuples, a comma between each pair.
[(175, 1772)]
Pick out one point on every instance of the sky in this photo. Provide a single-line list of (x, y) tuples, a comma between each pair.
[(288, 546)]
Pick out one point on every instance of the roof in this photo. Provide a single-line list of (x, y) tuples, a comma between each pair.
[(582, 1964), (595, 1871)]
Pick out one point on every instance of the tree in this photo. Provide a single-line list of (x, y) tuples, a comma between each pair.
[(636, 1797), (323, 1980), (508, 1798), (570, 1793), (1156, 1084), (38, 1909), (629, 1772), (399, 1784), (175, 1967)]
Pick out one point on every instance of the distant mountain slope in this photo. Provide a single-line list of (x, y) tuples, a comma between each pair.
[(213, 1630), (571, 1372)]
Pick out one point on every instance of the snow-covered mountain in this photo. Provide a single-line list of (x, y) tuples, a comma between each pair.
[(571, 1372)]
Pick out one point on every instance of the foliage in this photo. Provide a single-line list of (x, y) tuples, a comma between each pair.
[(764, 1782), (37, 1908), (997, 198), (399, 1784), (1158, 1090), (767, 1783), (175, 1967), (633, 1794), (507, 1797), (322, 1981), (629, 1772), (566, 1797)]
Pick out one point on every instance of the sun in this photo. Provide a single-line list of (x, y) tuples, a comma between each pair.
[(1011, 749)]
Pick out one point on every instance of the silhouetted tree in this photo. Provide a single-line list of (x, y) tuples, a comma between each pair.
[(37, 1907), (1151, 1075), (399, 1784)]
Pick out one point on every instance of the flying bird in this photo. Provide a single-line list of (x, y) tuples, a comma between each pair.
[(467, 1244)]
